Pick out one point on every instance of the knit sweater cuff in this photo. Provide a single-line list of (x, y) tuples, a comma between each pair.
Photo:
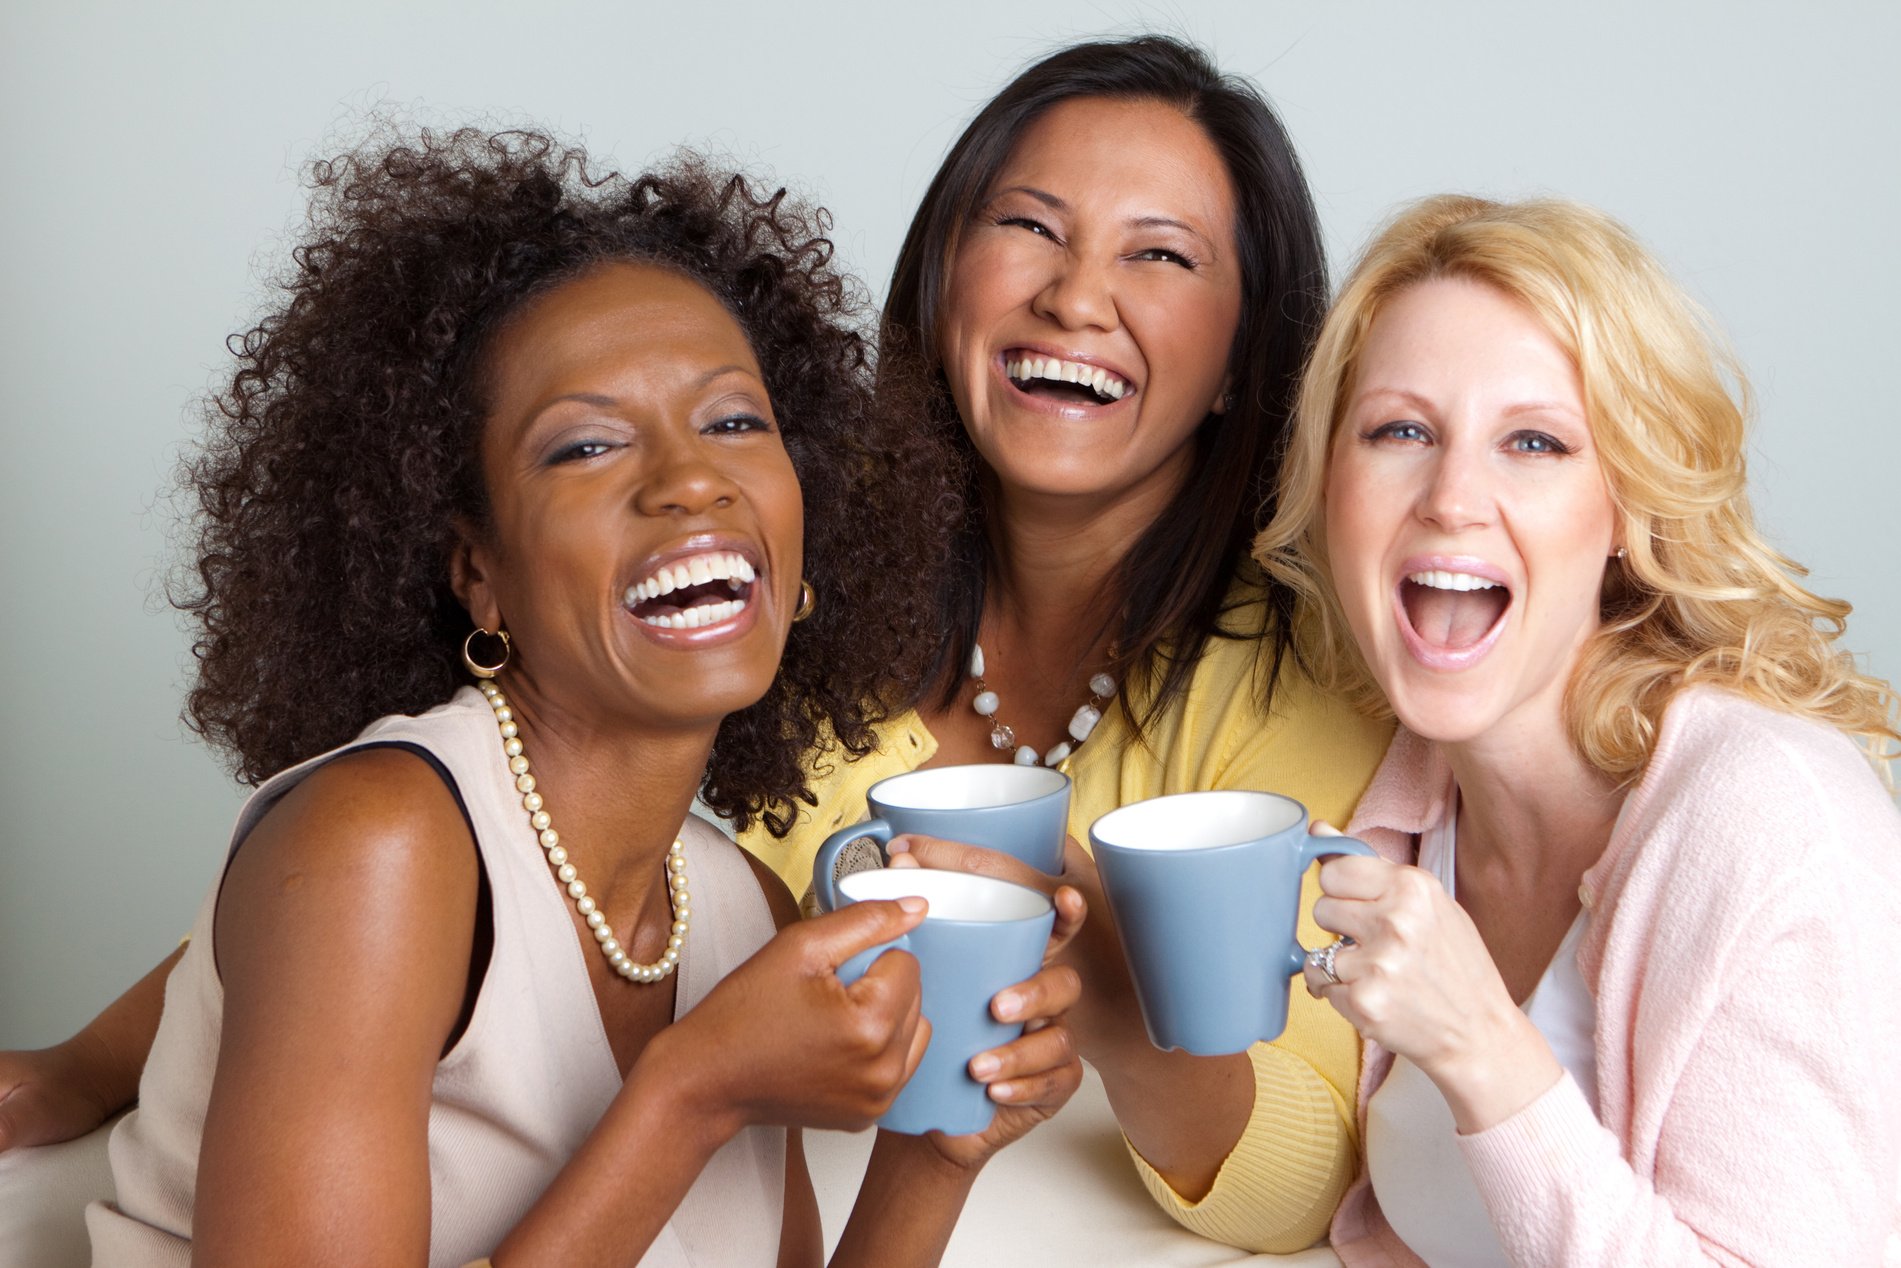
[(1277, 1189), (1519, 1165)]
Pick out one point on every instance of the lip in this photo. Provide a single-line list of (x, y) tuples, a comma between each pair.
[(706, 635), (1439, 658), (1052, 405)]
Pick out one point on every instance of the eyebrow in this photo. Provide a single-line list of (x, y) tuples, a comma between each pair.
[(1418, 402), (1139, 222), (609, 402)]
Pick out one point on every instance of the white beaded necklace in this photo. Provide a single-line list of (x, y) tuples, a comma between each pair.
[(538, 819), (1102, 689)]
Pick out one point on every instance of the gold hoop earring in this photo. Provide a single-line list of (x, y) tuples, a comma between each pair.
[(480, 670), (808, 599)]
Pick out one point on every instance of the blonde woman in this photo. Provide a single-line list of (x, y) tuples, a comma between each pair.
[(1617, 969)]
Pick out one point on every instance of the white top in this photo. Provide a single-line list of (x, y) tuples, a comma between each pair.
[(526, 1082), (1413, 1160)]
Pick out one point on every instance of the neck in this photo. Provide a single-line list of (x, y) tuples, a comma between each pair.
[(1529, 805), (617, 792), (1055, 558)]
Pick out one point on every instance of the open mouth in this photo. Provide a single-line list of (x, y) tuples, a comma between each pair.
[(1074, 382), (1452, 611), (694, 592)]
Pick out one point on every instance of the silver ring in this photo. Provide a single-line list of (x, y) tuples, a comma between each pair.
[(1322, 958)]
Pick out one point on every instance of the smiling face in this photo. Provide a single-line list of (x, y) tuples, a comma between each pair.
[(1092, 301), (644, 544), (1467, 516)]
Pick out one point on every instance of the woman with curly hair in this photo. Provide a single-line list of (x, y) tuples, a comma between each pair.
[(605, 444), (1614, 969)]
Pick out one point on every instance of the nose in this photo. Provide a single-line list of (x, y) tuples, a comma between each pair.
[(1078, 295), (681, 480), (1458, 493)]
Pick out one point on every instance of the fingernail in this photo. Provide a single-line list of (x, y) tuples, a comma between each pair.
[(1002, 1091), (913, 904), (897, 845), (1007, 1003), (983, 1065)]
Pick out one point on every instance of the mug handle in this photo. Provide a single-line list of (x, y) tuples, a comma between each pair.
[(825, 863), (859, 965), (1313, 849)]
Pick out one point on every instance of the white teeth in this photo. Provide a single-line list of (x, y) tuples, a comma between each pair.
[(1439, 580), (722, 565), (1053, 368), (698, 617)]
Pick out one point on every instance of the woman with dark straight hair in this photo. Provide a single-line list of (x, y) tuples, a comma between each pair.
[(1109, 290)]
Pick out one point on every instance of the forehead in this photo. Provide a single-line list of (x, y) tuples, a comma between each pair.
[(1461, 339), (1137, 158), (629, 323)]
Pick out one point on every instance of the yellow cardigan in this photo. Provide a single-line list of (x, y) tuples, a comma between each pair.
[(1278, 1188)]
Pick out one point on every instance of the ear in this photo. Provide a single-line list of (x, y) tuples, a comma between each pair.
[(1224, 399), (470, 567)]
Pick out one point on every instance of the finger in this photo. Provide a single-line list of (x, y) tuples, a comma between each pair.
[(1355, 876), (920, 1040), (835, 937), (1353, 918), (1046, 1089), (954, 856), (1071, 910), (1321, 828), (1050, 993), (1036, 1051), (1079, 866)]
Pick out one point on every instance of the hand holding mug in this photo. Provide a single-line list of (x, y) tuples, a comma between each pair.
[(782, 1040), (1419, 982), (1105, 1015)]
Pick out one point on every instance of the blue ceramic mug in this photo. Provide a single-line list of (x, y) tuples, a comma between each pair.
[(980, 936), (1204, 888), (1022, 811)]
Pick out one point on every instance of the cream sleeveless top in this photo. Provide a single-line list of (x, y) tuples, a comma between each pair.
[(523, 1086), (1424, 1187)]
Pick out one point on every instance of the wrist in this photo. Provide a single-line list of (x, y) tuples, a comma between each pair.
[(94, 1074), (689, 1087), (1507, 1067)]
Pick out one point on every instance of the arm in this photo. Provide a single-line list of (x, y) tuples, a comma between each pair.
[(64, 1091), (337, 978), (1773, 1137)]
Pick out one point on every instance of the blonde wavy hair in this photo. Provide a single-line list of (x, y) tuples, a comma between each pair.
[(1701, 597)]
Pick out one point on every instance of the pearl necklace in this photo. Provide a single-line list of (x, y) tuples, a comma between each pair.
[(538, 819), (1102, 689)]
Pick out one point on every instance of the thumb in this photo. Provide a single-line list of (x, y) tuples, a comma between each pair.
[(836, 937)]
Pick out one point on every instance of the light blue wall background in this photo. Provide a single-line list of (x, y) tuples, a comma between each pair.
[(148, 171)]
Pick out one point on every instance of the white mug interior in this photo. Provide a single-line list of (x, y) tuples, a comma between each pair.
[(968, 787), (1198, 820), (952, 895)]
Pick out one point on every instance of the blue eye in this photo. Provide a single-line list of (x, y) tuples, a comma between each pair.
[(1537, 442), (1401, 430)]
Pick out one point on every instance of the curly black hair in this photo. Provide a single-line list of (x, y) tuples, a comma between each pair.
[(348, 442)]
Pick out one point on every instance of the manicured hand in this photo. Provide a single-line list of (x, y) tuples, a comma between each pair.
[(1105, 1016), (46, 1097), (1029, 1078), (1420, 983), (781, 1040)]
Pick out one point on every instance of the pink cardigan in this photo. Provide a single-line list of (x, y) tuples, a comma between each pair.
[(1744, 950)]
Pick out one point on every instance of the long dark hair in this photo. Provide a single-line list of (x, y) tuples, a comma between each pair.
[(347, 444), (1173, 580)]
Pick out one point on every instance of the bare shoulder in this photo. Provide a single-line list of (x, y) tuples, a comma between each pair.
[(367, 868)]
